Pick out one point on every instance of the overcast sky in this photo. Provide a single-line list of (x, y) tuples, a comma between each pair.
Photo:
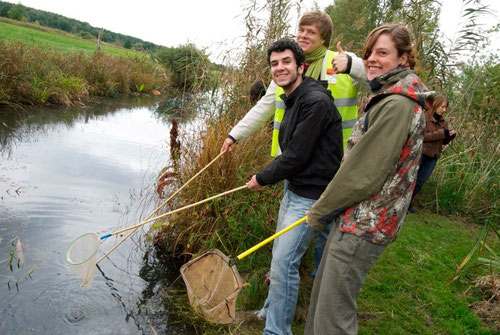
[(204, 23)]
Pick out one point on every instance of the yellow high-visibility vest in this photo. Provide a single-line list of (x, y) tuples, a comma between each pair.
[(345, 97)]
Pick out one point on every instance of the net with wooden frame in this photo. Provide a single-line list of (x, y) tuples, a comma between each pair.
[(81, 254), (213, 282), (213, 286)]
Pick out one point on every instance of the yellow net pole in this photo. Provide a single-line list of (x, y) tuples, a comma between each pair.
[(269, 239)]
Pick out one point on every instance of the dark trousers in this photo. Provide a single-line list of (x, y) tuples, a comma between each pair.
[(425, 169)]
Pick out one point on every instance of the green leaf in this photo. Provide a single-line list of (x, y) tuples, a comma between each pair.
[(487, 260)]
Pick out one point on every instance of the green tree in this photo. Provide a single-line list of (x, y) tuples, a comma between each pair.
[(354, 19), (17, 12), (189, 67), (4, 9), (63, 24), (127, 44), (422, 19)]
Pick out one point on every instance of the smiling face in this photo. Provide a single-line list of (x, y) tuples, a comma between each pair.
[(284, 70), (309, 38), (383, 57)]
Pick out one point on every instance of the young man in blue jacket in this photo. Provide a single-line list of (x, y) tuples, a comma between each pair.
[(310, 138)]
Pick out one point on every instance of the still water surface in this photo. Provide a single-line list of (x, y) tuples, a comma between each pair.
[(64, 173)]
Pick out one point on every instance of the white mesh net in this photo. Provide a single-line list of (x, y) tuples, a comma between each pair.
[(81, 255)]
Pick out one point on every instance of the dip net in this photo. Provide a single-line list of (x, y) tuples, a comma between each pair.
[(81, 255), (213, 286)]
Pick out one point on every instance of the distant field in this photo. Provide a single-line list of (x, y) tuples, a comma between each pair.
[(51, 38)]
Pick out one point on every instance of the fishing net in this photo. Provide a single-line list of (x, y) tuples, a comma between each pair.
[(81, 255), (213, 286)]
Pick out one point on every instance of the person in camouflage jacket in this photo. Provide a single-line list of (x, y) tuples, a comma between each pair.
[(370, 194), (374, 203)]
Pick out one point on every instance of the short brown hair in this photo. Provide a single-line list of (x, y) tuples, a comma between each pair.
[(399, 35), (322, 21)]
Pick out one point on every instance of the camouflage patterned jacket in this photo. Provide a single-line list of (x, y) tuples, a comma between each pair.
[(371, 191)]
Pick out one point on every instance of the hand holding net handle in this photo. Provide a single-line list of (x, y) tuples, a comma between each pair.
[(174, 211), (156, 209)]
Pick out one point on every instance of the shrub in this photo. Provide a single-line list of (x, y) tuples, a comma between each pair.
[(35, 75), (189, 67)]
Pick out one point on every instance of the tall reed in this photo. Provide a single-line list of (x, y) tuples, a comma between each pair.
[(466, 177), (239, 221), (34, 75)]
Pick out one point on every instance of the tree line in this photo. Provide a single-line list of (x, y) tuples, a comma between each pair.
[(187, 65), (20, 12)]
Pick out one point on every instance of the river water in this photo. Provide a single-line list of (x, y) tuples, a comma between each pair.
[(67, 172)]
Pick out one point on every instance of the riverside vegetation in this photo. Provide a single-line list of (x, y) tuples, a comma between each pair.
[(404, 293), (407, 291), (41, 65), (36, 76)]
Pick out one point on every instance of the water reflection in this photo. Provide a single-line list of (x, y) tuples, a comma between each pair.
[(186, 107), (67, 172)]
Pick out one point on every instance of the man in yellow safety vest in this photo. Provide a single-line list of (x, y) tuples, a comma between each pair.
[(336, 68)]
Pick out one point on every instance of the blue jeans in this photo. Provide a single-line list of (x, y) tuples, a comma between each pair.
[(320, 246), (425, 168), (288, 249), (320, 241)]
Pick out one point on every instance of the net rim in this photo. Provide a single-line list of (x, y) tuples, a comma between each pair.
[(68, 258), (234, 270)]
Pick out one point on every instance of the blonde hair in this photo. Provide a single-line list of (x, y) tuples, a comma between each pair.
[(322, 21), (399, 35)]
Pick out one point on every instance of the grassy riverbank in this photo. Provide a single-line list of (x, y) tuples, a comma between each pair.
[(405, 293), (35, 75), (39, 36), (40, 65)]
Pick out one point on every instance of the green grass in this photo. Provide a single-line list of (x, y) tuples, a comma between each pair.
[(54, 39), (405, 292)]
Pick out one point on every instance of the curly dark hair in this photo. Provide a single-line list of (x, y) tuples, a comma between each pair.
[(287, 44)]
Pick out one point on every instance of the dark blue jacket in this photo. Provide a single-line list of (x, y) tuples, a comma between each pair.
[(310, 138)]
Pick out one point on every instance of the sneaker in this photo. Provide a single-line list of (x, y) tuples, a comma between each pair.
[(254, 316), (412, 209), (267, 278)]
